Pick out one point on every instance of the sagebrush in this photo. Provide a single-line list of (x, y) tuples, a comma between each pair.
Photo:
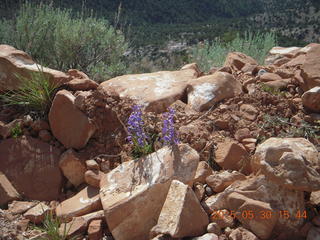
[(62, 39), (213, 54)]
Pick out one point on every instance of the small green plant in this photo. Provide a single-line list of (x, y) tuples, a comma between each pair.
[(282, 127), (51, 225), (16, 131), (35, 93), (271, 90)]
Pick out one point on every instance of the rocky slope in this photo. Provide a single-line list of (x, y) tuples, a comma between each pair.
[(247, 165)]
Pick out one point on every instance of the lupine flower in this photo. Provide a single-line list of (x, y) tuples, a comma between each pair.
[(135, 127), (169, 135)]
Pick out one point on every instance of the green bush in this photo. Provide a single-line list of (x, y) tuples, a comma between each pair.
[(257, 45), (35, 93), (61, 39)]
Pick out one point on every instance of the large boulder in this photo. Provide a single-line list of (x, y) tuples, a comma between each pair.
[(68, 124), (32, 167), (310, 69), (293, 163), (252, 199), (15, 62), (133, 194), (209, 90), (181, 215), (156, 91)]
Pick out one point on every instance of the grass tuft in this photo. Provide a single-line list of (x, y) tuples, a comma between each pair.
[(35, 93)]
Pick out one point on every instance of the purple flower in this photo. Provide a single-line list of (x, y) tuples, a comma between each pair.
[(135, 127), (169, 135)]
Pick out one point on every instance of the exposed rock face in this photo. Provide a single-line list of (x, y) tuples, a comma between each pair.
[(84, 202), (289, 162), (310, 69), (7, 192), (155, 91), (181, 215), (269, 195), (209, 90), (133, 194), (32, 167), (72, 167), (68, 124), (13, 61), (237, 61), (311, 99)]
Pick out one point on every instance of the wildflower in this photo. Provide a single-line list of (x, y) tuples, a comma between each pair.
[(135, 127), (169, 135)]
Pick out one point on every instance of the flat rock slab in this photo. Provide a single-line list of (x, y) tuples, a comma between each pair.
[(156, 91), (32, 167), (84, 202), (133, 194)]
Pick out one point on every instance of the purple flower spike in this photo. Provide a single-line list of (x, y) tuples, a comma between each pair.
[(135, 127), (169, 135)]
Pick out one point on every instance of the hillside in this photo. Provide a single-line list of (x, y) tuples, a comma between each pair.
[(157, 21)]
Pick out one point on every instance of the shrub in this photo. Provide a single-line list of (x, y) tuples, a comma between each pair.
[(257, 45), (61, 39), (35, 93)]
